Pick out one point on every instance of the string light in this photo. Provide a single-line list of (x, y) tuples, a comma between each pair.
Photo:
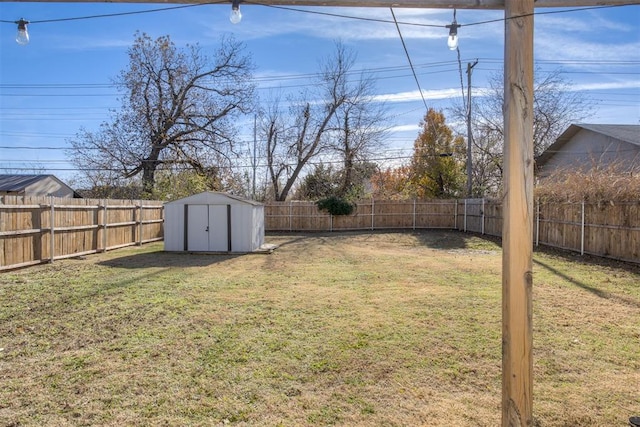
[(453, 28), (452, 41), (236, 15), (22, 36)]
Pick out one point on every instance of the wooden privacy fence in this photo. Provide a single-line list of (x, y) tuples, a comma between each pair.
[(368, 215), (610, 230), (40, 229), (607, 229)]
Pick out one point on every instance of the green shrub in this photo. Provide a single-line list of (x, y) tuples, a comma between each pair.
[(335, 206)]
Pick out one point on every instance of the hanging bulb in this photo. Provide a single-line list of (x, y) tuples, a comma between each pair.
[(22, 36), (452, 41), (236, 15)]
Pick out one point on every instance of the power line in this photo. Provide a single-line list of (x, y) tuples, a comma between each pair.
[(409, 59)]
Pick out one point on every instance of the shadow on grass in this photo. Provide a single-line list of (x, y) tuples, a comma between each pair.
[(168, 260), (445, 239), (598, 292), (573, 256), (431, 238)]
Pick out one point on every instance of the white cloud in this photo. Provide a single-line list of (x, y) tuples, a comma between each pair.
[(414, 95), (631, 84), (405, 128), (569, 48)]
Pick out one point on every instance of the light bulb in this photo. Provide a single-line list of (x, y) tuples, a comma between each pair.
[(236, 15), (22, 36), (452, 41)]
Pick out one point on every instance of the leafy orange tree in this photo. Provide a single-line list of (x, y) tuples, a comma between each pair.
[(391, 183), (438, 161)]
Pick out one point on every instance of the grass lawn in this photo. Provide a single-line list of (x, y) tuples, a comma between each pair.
[(351, 329)]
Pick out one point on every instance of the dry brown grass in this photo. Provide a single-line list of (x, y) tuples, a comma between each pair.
[(605, 184), (382, 329)]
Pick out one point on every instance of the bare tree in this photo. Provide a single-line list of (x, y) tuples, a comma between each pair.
[(313, 125), (359, 131), (178, 111), (556, 106)]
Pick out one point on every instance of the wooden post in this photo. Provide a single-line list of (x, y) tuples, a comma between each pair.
[(538, 223), (52, 223), (517, 231), (414, 214), (465, 215), (373, 219), (139, 219), (455, 215), (483, 216), (582, 231), (105, 215)]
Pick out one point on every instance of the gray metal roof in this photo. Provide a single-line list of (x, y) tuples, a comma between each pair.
[(626, 133), (15, 183)]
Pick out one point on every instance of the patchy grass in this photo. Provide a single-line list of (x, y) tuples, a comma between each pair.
[(392, 329)]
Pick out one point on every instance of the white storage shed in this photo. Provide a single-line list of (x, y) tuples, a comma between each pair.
[(213, 222)]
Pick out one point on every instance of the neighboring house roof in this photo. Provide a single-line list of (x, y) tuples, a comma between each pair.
[(16, 183), (626, 133), (19, 183)]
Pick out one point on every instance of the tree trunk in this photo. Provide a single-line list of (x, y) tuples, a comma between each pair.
[(348, 174), (148, 179)]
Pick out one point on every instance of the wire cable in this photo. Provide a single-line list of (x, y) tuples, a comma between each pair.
[(315, 12), (111, 15), (464, 101), (413, 70)]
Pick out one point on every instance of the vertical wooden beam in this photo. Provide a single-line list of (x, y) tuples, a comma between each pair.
[(52, 223), (517, 232)]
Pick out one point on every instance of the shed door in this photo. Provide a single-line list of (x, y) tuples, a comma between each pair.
[(218, 228), (197, 226), (208, 228)]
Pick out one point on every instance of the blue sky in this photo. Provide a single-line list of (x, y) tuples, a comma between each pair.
[(60, 81)]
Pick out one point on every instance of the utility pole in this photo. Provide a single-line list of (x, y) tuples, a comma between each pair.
[(469, 134)]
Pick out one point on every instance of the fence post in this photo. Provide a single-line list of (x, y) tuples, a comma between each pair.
[(372, 214), (105, 214), (52, 222), (290, 215), (538, 223), (455, 215), (414, 214), (139, 218), (483, 215), (582, 232), (465, 215), (330, 222)]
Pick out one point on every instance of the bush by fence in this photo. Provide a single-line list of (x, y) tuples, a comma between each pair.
[(40, 229)]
